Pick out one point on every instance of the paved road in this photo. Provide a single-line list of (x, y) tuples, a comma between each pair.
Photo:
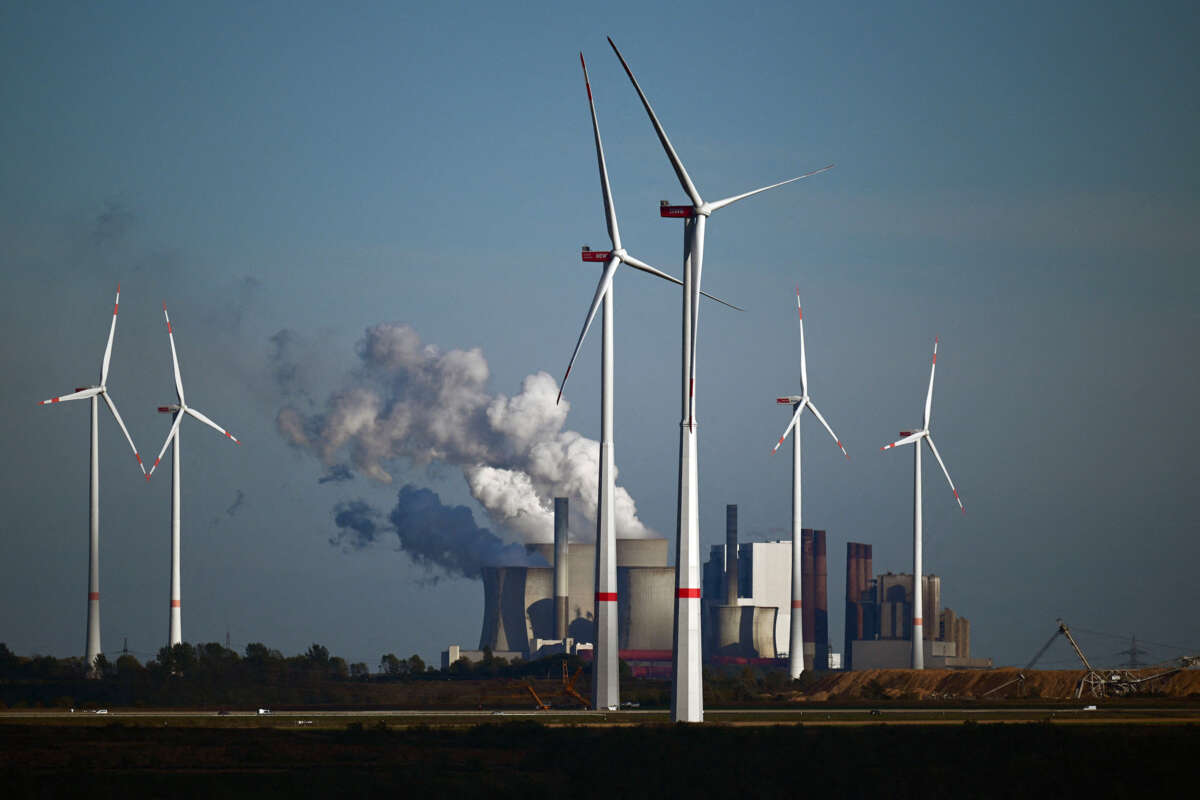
[(808, 716)]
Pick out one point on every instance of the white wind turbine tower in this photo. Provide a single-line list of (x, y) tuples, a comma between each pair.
[(915, 437), (799, 403), (687, 699), (605, 683), (95, 393), (179, 410)]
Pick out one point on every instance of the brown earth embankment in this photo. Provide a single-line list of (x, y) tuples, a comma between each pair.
[(934, 684)]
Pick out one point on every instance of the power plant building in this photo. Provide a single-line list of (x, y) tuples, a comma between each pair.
[(764, 582), (879, 612), (519, 602)]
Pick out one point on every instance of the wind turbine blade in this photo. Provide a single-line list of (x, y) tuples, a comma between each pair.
[(684, 180), (826, 424), (605, 282), (942, 464), (644, 267), (912, 437), (610, 212), (792, 424), (79, 395), (112, 329), (117, 416), (193, 412), (167, 443), (731, 200), (803, 359), (174, 357), (929, 395)]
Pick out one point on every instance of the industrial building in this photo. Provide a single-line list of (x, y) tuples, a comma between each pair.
[(879, 612), (519, 603), (754, 621)]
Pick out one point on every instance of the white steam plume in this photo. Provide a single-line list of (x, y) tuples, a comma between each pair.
[(412, 401)]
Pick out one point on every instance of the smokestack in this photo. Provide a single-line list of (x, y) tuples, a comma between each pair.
[(560, 568), (821, 604), (808, 594), (731, 555), (851, 603)]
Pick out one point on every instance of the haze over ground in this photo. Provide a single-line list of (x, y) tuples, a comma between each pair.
[(1021, 182)]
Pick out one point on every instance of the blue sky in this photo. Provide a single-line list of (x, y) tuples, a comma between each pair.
[(1020, 181)]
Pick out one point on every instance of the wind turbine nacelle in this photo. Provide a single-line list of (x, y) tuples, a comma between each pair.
[(675, 212), (596, 255), (789, 400), (907, 433)]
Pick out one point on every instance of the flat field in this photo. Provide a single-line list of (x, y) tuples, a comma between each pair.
[(1125, 752)]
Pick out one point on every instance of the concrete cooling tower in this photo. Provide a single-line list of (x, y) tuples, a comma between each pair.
[(519, 602)]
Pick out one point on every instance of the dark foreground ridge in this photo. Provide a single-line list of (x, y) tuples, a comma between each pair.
[(528, 759)]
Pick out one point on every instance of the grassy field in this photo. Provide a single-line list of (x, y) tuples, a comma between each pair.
[(233, 756)]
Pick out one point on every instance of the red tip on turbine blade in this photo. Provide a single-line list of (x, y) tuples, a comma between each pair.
[(935, 357), (169, 330), (148, 476), (155, 464), (138, 457), (116, 306), (55, 400)]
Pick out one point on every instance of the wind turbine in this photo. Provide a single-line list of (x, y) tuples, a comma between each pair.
[(605, 686), (915, 438), (687, 699), (799, 403), (95, 393), (179, 410)]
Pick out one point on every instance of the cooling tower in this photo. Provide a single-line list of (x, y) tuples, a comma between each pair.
[(645, 607), (517, 607)]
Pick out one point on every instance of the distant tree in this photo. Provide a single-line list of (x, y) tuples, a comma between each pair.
[(392, 666), (318, 654), (101, 668), (128, 665), (179, 659), (359, 671), (415, 664), (338, 668)]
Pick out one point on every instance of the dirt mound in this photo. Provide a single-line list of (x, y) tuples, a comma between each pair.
[(947, 684)]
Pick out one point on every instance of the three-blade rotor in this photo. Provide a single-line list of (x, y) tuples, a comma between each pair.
[(182, 407), (699, 206), (915, 437), (102, 389), (618, 255), (803, 401)]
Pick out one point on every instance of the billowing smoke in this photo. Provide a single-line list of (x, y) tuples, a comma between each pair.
[(412, 402), (435, 536)]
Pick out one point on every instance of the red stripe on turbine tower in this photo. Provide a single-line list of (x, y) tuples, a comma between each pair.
[(688, 594), (797, 604), (93, 595), (606, 597), (175, 604)]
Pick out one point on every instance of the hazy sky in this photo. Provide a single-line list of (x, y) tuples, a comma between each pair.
[(1021, 181)]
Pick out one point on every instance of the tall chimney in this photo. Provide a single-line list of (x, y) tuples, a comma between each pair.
[(731, 555), (852, 598), (560, 568), (808, 594), (821, 604)]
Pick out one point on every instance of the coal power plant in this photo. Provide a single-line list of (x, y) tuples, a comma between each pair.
[(532, 611), (879, 614), (747, 591)]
